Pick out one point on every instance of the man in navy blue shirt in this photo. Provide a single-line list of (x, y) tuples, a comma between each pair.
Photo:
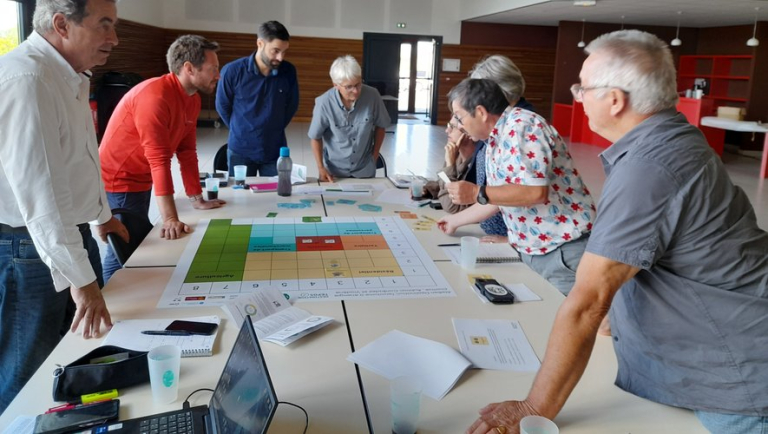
[(257, 98)]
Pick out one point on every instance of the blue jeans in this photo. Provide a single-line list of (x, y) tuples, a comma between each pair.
[(255, 168), (137, 202), (720, 423), (559, 266), (33, 316)]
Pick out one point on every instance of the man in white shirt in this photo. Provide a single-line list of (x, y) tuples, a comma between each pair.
[(50, 187)]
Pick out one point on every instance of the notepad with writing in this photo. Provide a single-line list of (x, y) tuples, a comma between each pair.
[(497, 253), (127, 334)]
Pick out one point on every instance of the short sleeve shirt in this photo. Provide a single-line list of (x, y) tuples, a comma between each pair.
[(524, 150), (348, 135), (690, 328)]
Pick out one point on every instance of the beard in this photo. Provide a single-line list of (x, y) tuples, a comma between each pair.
[(274, 64)]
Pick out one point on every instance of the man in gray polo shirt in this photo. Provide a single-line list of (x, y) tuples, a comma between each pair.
[(348, 123), (675, 254)]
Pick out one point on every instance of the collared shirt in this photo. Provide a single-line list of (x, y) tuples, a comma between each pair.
[(690, 328), (257, 108), (524, 150), (153, 121), (50, 179), (348, 135)]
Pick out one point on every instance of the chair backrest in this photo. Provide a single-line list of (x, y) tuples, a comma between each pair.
[(220, 159), (381, 164), (138, 227)]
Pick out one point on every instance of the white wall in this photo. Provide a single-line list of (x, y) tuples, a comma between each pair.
[(142, 11), (479, 8), (346, 19)]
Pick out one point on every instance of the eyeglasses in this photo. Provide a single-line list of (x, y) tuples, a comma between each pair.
[(458, 119), (578, 91), (352, 87), (450, 126)]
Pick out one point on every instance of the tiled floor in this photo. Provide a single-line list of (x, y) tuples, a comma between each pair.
[(414, 146)]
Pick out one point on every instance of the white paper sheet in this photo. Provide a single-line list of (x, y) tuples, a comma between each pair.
[(21, 425), (495, 344), (397, 354), (273, 317)]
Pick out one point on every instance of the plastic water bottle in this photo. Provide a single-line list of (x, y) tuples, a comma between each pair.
[(284, 168)]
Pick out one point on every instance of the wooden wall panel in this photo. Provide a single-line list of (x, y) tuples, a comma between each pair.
[(536, 64), (312, 58), (140, 50)]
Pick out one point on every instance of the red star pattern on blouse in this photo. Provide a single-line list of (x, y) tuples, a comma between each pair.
[(562, 219), (521, 219), (538, 220), (533, 137), (566, 236)]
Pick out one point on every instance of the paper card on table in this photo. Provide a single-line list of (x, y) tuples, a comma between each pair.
[(273, 317), (346, 201), (495, 344), (521, 292), (263, 187), (397, 354), (370, 208), (127, 334)]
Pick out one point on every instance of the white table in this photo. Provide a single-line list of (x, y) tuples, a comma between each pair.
[(742, 126), (596, 405), (312, 373)]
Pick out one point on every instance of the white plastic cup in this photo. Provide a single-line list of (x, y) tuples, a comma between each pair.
[(212, 187), (405, 402), (240, 172), (537, 425), (164, 365), (469, 248), (417, 188), (698, 93), (688, 93)]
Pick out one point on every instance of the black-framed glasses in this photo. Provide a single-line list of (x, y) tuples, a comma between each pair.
[(458, 119)]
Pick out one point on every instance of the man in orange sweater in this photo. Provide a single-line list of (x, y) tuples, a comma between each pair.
[(154, 121)]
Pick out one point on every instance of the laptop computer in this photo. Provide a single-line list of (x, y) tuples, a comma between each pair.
[(244, 400)]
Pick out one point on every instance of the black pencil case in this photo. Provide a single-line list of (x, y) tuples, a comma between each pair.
[(81, 377)]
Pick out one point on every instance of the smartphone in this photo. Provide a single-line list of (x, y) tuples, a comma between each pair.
[(494, 291), (82, 416), (436, 205), (193, 327)]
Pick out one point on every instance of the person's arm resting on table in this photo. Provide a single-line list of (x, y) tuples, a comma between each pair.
[(317, 128), (569, 347)]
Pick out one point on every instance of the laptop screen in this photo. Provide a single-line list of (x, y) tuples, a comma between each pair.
[(244, 400)]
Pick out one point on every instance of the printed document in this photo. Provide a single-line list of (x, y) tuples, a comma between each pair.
[(495, 344)]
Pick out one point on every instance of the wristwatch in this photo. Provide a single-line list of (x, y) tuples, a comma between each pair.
[(195, 198), (482, 198)]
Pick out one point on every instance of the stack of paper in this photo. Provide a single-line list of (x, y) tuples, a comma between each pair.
[(399, 354), (273, 317), (496, 344)]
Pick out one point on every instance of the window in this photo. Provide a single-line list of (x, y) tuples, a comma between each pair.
[(9, 25)]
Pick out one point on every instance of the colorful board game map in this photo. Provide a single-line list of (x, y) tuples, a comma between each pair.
[(308, 258)]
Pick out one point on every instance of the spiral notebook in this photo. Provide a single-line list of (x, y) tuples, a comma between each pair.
[(127, 334), (488, 253)]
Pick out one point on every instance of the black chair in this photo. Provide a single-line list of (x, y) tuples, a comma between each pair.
[(381, 164), (220, 160), (138, 227)]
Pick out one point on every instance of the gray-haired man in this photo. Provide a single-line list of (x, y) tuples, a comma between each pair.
[(348, 122), (50, 187), (679, 240)]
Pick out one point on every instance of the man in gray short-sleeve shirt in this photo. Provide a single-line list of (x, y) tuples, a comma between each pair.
[(675, 254), (348, 123)]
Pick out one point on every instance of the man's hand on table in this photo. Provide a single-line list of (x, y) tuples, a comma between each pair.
[(174, 229), (505, 414), (324, 175), (91, 310), (208, 204)]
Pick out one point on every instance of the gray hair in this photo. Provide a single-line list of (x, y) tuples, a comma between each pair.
[(638, 63), (73, 10), (504, 72), (345, 68), (188, 48), (472, 92)]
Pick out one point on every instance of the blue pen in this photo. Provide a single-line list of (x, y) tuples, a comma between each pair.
[(166, 332)]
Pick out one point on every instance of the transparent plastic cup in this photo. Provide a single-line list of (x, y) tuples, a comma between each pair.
[(164, 365), (405, 403)]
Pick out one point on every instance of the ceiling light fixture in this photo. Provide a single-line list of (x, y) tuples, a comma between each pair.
[(584, 2), (753, 42), (677, 42), (581, 43)]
